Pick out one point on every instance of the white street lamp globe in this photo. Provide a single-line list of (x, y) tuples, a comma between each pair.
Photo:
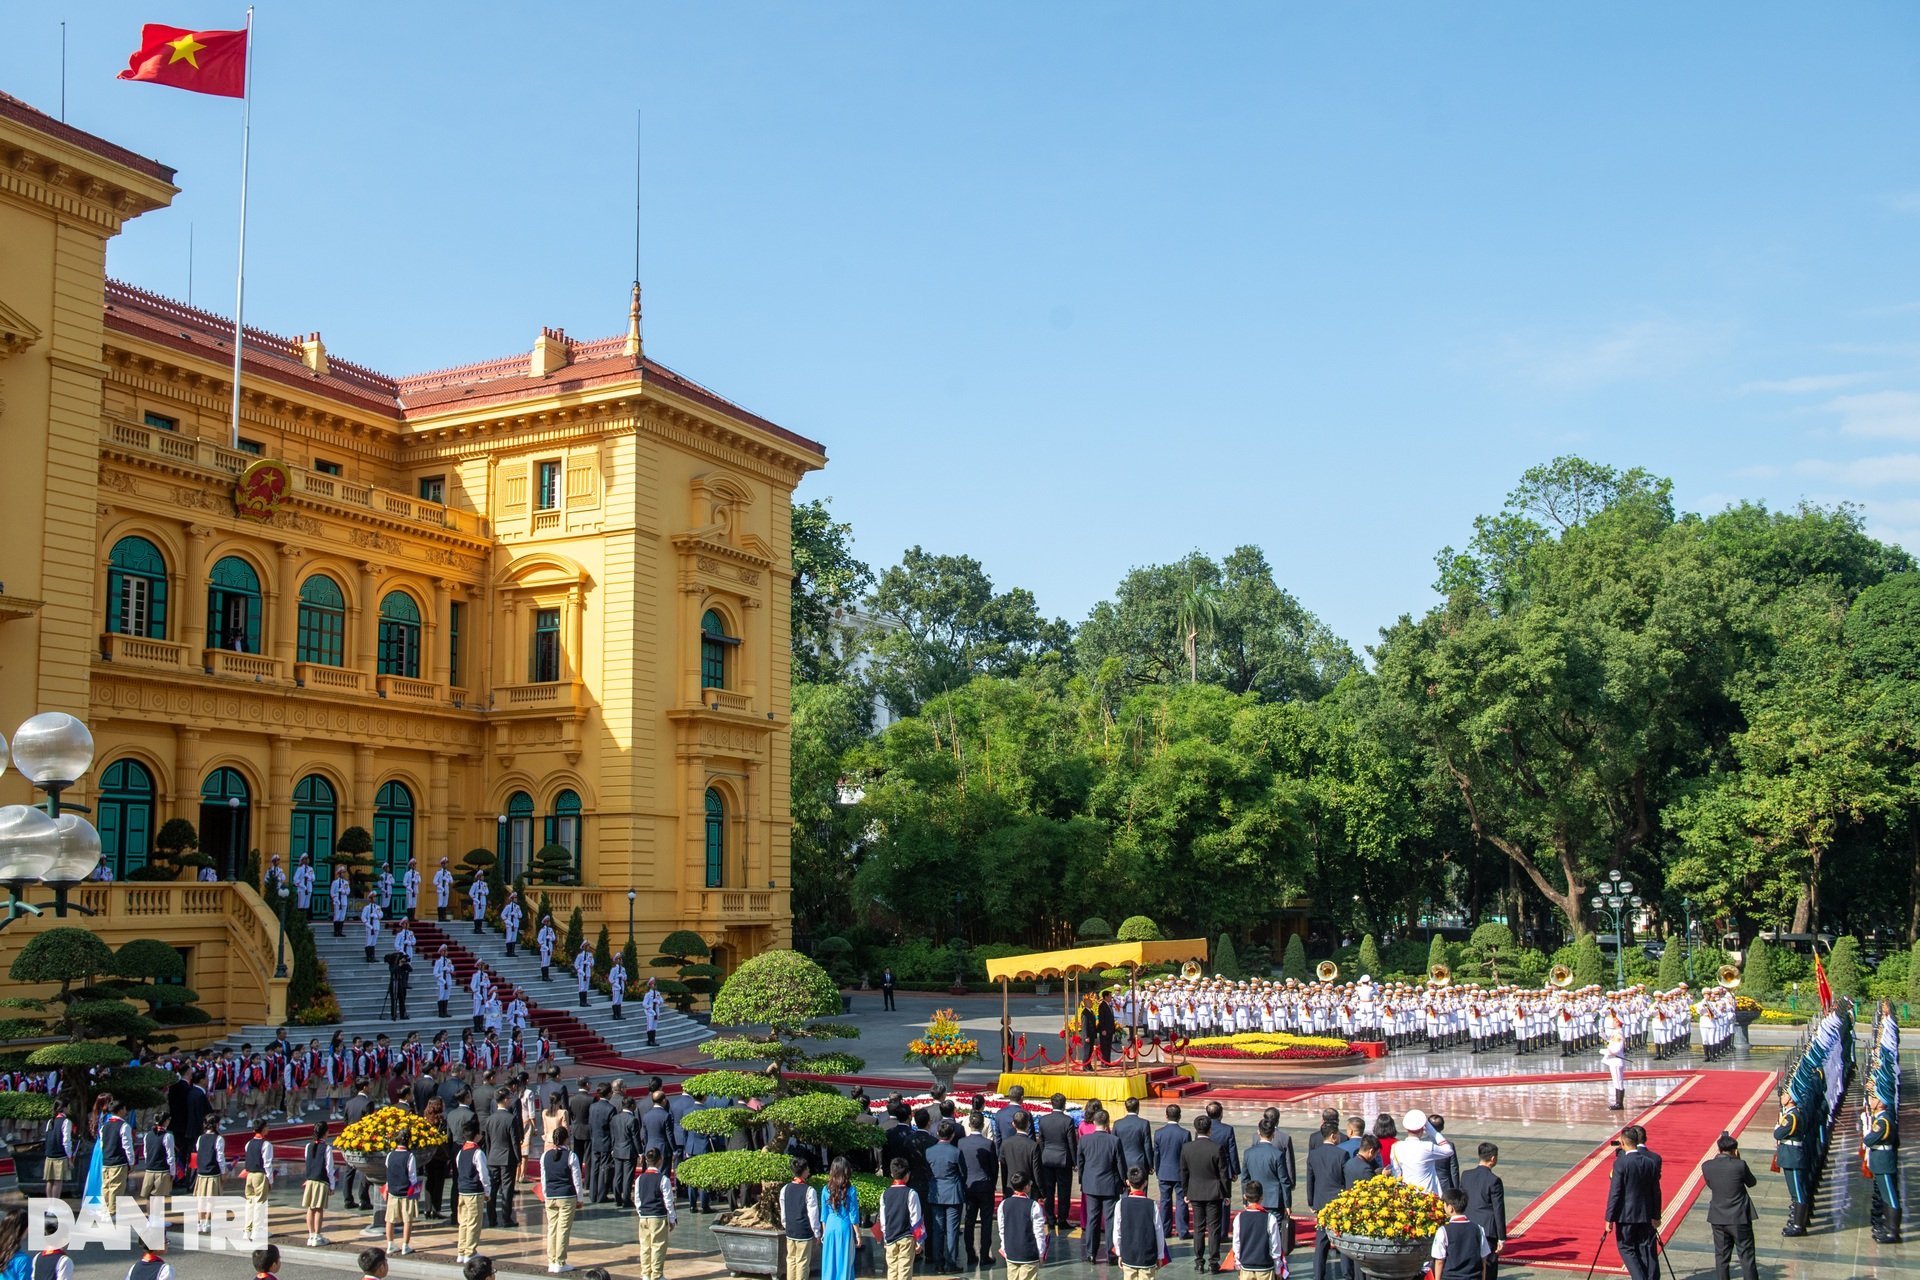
[(53, 748), (29, 843), (1597, 902), (79, 847), (1626, 886)]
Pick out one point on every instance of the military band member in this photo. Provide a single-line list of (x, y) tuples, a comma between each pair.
[(1614, 1058)]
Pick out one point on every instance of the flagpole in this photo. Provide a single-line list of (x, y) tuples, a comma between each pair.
[(240, 268)]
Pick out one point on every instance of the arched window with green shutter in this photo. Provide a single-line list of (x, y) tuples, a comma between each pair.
[(516, 836), (563, 825), (399, 636), (714, 644), (233, 606), (716, 839), (125, 816), (323, 622), (137, 590)]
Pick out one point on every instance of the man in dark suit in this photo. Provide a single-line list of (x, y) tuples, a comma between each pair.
[(423, 1087), (1269, 1162), (656, 1126), (1019, 1153), (1326, 1170), (1730, 1212), (1168, 1146), (981, 1163), (1003, 1118), (600, 1144), (886, 988), (1105, 1027), (626, 1150), (503, 1141), (946, 1198), (1362, 1164), (1103, 1180), (1203, 1175), (1059, 1150), (1487, 1203), (579, 1105), (1229, 1146), (1633, 1205), (1136, 1138)]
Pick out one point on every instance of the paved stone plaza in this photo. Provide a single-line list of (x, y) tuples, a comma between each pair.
[(1544, 1128)]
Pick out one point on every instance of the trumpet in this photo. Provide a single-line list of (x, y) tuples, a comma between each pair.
[(1190, 971), (1327, 971), (1561, 976), (1729, 977), (1439, 976)]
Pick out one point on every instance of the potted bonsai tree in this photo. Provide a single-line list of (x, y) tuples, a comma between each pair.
[(785, 993)]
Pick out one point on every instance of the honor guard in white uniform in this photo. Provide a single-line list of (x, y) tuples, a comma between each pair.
[(303, 884), (479, 986), (371, 915), (337, 892), (1613, 1056), (583, 971), (410, 887), (442, 890), (510, 917), (442, 978), (477, 894), (383, 888), (546, 939), (617, 982), (652, 1005)]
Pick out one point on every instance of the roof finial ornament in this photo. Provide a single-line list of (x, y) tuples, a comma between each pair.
[(633, 348)]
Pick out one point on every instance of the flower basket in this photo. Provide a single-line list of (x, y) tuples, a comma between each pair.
[(1380, 1259), (1384, 1225), (942, 1049), (378, 1132)]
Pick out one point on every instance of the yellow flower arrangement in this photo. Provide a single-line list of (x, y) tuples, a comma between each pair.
[(1384, 1208), (943, 1041), (1266, 1042), (380, 1130), (1746, 1004)]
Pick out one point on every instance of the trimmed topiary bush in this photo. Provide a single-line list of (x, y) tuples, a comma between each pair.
[(1368, 959), (1757, 976), (1843, 968), (1138, 929), (1293, 961), (1094, 929)]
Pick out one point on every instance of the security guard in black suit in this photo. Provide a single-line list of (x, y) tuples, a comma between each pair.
[(1633, 1206), (1790, 1153), (1883, 1165)]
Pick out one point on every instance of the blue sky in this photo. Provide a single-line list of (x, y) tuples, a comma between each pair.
[(1074, 287)]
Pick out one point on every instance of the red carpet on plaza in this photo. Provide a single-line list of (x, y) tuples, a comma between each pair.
[(1562, 1228)]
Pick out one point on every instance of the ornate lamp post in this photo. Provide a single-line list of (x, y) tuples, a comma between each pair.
[(280, 967), (504, 845), (1686, 905), (45, 846), (1614, 899), (233, 837)]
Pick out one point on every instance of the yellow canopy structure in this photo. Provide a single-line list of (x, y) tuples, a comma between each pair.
[(1108, 955)]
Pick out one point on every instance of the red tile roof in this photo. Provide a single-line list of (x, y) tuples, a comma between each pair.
[(12, 108), (601, 362)]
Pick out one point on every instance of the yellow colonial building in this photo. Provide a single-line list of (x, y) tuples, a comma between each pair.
[(537, 599)]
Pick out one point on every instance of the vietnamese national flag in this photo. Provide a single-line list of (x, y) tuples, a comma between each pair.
[(1820, 983), (203, 61)]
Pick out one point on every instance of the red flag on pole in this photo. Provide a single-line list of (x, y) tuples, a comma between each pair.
[(1820, 984), (201, 61)]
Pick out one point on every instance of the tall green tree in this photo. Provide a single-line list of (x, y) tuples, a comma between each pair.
[(828, 578), (947, 624), (1562, 687)]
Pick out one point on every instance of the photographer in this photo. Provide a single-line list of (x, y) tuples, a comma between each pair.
[(1730, 1212), (1633, 1204), (399, 968)]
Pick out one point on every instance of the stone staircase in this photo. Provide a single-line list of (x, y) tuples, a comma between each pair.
[(361, 989), (626, 1038)]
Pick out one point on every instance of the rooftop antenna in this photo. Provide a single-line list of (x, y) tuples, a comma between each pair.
[(63, 73), (189, 264), (634, 348)]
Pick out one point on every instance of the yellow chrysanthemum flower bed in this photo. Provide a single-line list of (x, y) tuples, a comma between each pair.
[(1266, 1042), (380, 1130), (1384, 1208)]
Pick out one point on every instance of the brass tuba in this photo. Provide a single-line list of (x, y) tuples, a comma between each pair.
[(1729, 977), (1561, 976), (1190, 971), (1327, 971), (1439, 976)]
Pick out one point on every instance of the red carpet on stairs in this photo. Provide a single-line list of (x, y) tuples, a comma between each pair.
[(1563, 1226)]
